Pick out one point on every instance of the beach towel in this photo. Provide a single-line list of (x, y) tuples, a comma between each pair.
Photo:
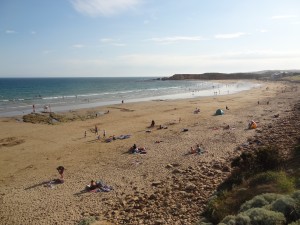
[(121, 137)]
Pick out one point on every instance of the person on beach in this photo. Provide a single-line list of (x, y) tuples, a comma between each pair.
[(192, 151), (33, 108), (93, 185), (252, 125), (199, 149), (104, 133), (152, 123), (61, 170), (96, 129)]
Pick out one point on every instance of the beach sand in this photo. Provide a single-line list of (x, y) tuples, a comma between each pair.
[(30, 153)]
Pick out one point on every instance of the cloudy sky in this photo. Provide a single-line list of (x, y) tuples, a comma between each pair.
[(113, 38)]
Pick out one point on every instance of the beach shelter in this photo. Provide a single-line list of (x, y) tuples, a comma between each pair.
[(219, 112)]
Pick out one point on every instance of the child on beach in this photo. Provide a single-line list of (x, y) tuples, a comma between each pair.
[(61, 170)]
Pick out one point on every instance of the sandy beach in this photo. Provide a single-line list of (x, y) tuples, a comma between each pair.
[(30, 154)]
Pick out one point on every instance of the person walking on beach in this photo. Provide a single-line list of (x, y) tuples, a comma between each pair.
[(104, 133), (96, 129), (85, 134)]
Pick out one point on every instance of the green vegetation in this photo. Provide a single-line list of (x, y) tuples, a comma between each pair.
[(258, 192), (87, 221)]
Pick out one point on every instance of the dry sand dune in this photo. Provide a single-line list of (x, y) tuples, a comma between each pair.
[(29, 153)]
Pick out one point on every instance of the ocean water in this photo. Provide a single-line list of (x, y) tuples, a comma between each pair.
[(18, 95)]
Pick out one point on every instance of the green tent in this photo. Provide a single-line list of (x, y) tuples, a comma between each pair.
[(219, 112)]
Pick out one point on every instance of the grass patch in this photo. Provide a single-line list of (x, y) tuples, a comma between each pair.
[(279, 181)]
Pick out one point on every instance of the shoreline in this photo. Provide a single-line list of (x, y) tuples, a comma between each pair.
[(213, 91), (33, 151)]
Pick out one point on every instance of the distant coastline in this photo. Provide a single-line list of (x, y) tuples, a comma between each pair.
[(260, 75)]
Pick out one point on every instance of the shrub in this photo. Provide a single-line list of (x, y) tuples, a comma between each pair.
[(87, 221), (295, 223), (255, 216), (239, 219), (261, 216), (296, 196), (268, 158), (280, 181), (287, 206), (259, 201)]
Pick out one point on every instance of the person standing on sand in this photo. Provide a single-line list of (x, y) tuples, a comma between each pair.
[(61, 170), (96, 129), (85, 134), (33, 108), (104, 133)]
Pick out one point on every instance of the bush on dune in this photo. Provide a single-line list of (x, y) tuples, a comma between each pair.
[(256, 216)]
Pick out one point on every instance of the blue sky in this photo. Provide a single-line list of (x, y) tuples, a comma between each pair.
[(113, 38)]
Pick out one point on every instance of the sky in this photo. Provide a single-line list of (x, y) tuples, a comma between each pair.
[(116, 38)]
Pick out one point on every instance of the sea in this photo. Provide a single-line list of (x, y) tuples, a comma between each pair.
[(18, 95)]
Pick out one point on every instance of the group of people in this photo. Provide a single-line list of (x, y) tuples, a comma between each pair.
[(197, 149), (94, 186)]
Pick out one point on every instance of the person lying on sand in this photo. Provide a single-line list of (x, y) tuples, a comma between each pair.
[(98, 186), (135, 150)]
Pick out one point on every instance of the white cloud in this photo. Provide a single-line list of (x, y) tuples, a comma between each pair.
[(106, 40), (263, 31), (88, 62), (46, 52), (279, 17), (229, 36), (10, 32), (119, 44), (78, 46), (103, 7), (177, 39), (112, 41), (214, 59), (165, 64)]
